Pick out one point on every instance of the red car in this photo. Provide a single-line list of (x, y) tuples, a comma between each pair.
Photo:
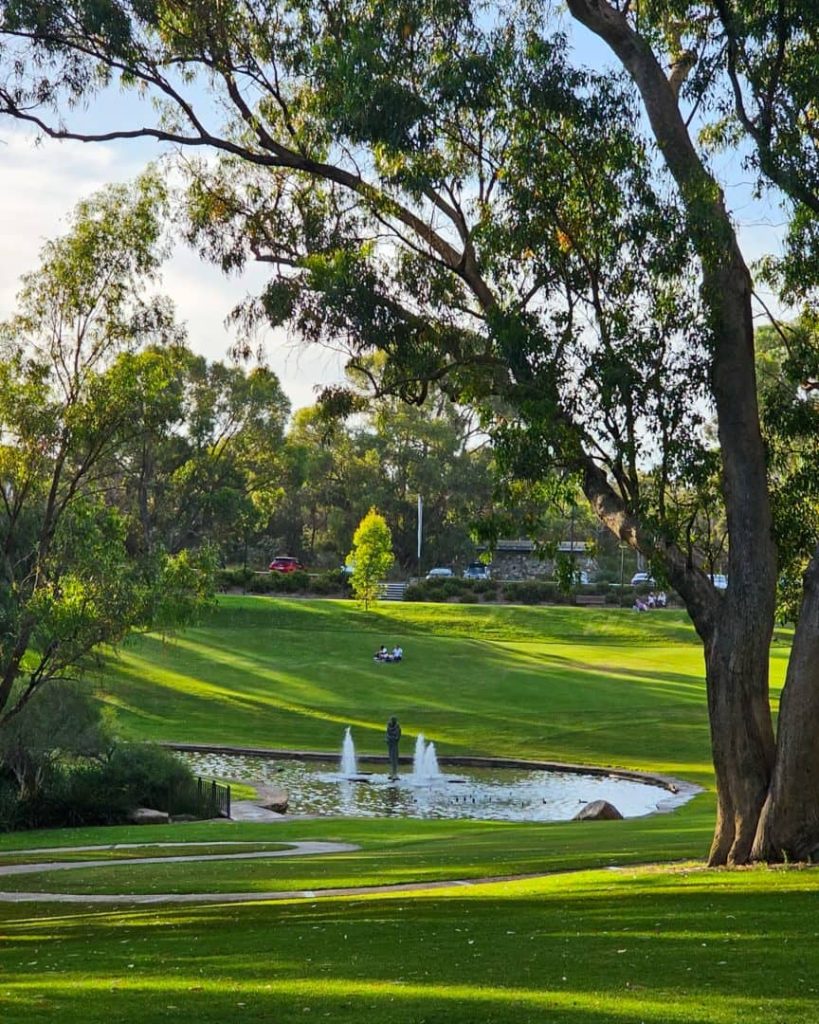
[(284, 563)]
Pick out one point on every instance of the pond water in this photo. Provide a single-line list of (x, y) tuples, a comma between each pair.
[(493, 794)]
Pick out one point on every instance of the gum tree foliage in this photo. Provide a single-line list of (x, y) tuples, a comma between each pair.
[(443, 185), (788, 373), (388, 454), (371, 557), (74, 387), (204, 466)]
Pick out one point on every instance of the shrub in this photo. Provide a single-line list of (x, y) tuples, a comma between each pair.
[(103, 792), (485, 586), (531, 592), (453, 587), (279, 583), (146, 774), (9, 805), (261, 583), (334, 582), (229, 579), (469, 597)]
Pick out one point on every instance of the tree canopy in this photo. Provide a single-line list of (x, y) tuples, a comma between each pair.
[(74, 387)]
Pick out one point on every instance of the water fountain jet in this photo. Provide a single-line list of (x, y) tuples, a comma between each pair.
[(349, 765)]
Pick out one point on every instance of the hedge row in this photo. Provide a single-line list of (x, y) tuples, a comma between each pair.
[(299, 582), (452, 588), (515, 592)]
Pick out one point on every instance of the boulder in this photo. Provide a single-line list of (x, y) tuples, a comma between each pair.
[(148, 816), (598, 810), (273, 798)]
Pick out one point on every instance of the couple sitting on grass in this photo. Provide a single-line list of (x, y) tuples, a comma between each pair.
[(383, 654)]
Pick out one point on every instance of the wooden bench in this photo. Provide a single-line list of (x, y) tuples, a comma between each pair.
[(590, 599)]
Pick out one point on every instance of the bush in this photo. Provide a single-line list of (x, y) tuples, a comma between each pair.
[(279, 582), (470, 597), (486, 586), (532, 592), (262, 583), (9, 805), (334, 582), (454, 587), (230, 579), (147, 775), (103, 792)]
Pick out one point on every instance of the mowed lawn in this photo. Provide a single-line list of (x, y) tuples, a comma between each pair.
[(679, 945), (602, 686), (602, 941)]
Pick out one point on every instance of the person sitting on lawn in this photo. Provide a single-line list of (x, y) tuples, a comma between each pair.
[(382, 654), (397, 653)]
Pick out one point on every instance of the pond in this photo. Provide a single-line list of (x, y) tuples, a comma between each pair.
[(488, 794)]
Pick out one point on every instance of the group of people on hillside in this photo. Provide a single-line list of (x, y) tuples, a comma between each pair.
[(382, 654), (652, 601)]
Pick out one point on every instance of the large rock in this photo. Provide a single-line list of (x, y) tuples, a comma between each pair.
[(598, 810), (148, 816), (273, 798)]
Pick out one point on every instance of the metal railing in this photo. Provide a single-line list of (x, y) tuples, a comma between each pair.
[(202, 797)]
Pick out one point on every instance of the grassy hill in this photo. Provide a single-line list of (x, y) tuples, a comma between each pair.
[(603, 686)]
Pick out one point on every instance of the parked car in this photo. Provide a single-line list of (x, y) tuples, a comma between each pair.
[(439, 572), (720, 581), (476, 571), (285, 563), (348, 569), (643, 579)]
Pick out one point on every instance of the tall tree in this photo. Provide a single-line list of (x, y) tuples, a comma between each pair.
[(72, 387), (446, 187)]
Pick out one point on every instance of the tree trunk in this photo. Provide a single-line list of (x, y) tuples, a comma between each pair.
[(789, 825), (737, 637), (742, 740)]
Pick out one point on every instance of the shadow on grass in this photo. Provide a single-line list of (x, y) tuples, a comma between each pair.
[(594, 949)]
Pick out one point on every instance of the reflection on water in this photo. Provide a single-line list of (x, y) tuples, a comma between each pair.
[(494, 794)]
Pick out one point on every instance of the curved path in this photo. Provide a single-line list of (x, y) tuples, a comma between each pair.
[(296, 849)]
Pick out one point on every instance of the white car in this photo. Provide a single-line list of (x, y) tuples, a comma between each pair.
[(643, 579), (439, 573), (720, 582)]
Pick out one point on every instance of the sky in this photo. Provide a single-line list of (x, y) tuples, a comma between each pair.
[(41, 180)]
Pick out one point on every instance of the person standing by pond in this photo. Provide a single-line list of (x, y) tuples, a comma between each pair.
[(393, 737)]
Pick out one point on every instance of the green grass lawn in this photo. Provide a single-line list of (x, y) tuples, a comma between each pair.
[(598, 686), (630, 946), (589, 946)]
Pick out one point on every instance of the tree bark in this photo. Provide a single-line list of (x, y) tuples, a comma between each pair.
[(742, 744), (789, 825)]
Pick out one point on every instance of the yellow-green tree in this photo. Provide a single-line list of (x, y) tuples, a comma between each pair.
[(371, 557)]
